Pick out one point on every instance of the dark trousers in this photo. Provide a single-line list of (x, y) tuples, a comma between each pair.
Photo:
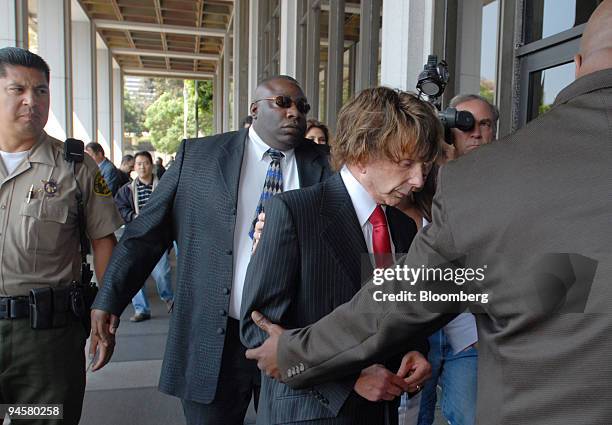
[(43, 367), (239, 380)]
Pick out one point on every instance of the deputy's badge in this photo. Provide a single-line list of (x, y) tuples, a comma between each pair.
[(49, 187), (100, 186)]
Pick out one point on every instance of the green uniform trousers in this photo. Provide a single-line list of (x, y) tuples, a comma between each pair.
[(44, 366)]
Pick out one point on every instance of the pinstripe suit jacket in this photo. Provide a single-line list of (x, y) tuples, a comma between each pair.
[(195, 204), (313, 257)]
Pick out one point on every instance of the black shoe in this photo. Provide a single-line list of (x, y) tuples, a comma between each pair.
[(140, 317)]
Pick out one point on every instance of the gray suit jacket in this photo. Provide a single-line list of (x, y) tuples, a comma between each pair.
[(536, 209), (311, 259), (195, 204)]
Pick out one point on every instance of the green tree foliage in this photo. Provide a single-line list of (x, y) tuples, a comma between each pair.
[(165, 85), (205, 106), (543, 108), (133, 114), (164, 117), (487, 89)]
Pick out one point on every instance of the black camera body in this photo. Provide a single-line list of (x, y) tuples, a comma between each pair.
[(452, 118), (431, 83)]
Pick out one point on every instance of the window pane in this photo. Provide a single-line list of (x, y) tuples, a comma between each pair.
[(33, 25), (545, 85), (488, 50), (548, 17)]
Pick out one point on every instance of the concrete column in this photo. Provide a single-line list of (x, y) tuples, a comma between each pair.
[(469, 32), (8, 24), (313, 38), (262, 19), (288, 39), (352, 65), (104, 95), (241, 61), (406, 41), (335, 62), (323, 93), (274, 41), (226, 82), (14, 24), (117, 113), (369, 28), (439, 21), (357, 67), (84, 77), (218, 100), (264, 42), (54, 46), (301, 36), (450, 47), (254, 50), (507, 65)]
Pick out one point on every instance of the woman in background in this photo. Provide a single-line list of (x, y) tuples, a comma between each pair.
[(317, 132)]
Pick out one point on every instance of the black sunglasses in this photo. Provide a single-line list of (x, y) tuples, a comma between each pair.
[(286, 101)]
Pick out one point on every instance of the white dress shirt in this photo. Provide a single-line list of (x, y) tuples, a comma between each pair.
[(364, 206), (255, 163)]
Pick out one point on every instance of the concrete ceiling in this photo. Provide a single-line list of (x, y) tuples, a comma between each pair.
[(182, 38)]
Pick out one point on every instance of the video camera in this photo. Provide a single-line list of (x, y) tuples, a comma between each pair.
[(431, 83)]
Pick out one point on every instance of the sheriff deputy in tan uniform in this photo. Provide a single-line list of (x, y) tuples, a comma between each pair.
[(40, 244)]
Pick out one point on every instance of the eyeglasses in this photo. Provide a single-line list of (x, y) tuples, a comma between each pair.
[(286, 101)]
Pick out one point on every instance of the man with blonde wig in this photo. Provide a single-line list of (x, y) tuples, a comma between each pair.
[(313, 256), (540, 227)]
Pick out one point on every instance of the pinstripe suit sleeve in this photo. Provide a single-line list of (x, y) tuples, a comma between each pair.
[(142, 245), (272, 274), (269, 287)]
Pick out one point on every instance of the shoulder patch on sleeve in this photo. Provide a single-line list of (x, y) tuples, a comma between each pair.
[(100, 187)]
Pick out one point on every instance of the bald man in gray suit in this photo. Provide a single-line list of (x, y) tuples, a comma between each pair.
[(543, 227)]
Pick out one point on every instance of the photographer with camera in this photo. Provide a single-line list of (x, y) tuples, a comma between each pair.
[(48, 189), (469, 121), (452, 353), (484, 129)]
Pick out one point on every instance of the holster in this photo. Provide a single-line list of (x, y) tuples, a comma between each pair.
[(82, 297), (58, 307), (50, 308)]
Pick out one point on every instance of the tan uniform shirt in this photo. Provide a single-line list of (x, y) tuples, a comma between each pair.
[(39, 234)]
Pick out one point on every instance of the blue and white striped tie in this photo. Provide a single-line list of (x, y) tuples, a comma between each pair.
[(273, 184)]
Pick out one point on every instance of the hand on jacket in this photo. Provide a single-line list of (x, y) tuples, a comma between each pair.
[(266, 353), (261, 218), (415, 369), (377, 383)]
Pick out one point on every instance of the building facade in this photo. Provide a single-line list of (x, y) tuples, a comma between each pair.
[(517, 52)]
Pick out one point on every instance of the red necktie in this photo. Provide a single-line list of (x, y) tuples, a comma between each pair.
[(381, 244)]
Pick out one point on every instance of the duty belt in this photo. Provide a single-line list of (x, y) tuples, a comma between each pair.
[(14, 307)]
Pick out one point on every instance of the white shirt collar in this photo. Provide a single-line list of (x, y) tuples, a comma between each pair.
[(363, 203), (260, 147)]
